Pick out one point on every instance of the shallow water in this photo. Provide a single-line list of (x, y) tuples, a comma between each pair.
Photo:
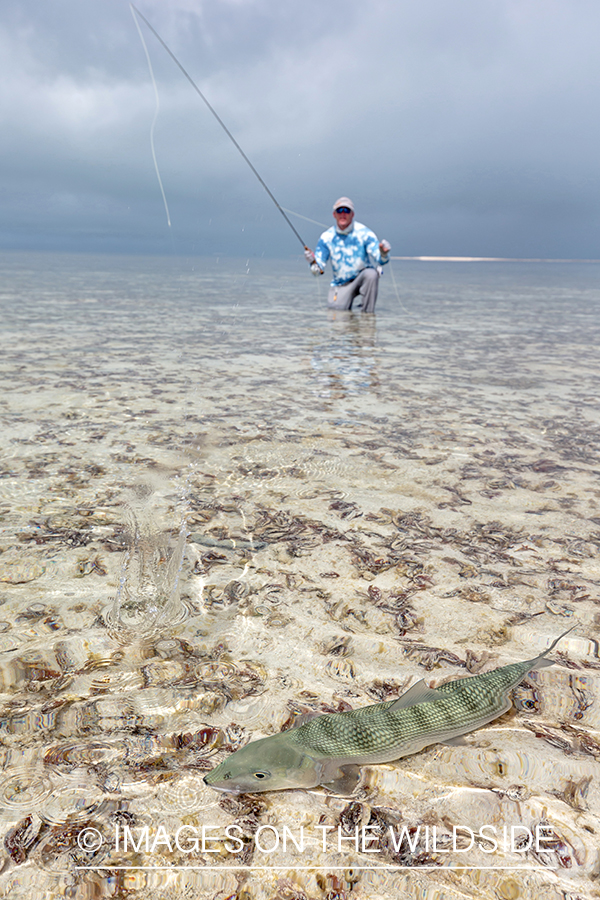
[(423, 488)]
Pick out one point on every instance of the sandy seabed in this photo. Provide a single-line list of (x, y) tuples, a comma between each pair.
[(412, 495)]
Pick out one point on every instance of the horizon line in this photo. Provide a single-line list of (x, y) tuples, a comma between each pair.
[(491, 259)]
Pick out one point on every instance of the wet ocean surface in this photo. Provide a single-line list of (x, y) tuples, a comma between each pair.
[(411, 495)]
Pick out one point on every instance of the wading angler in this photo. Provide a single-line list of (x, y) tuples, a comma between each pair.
[(356, 259)]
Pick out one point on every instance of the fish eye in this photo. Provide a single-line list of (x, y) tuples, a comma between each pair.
[(261, 774)]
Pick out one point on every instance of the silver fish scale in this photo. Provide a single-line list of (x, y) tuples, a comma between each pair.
[(500, 679), (355, 733), (377, 728)]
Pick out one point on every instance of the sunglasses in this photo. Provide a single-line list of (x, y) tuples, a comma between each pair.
[(343, 209)]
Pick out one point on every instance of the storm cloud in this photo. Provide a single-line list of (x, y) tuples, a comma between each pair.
[(462, 128)]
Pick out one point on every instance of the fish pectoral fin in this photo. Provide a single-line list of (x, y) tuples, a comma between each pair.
[(418, 693), (341, 779)]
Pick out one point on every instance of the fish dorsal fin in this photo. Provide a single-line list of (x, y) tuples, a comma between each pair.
[(304, 718), (418, 693)]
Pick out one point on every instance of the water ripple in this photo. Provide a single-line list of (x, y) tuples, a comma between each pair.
[(25, 789), (71, 800), (66, 757), (188, 794)]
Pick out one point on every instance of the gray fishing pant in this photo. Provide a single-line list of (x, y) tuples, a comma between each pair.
[(366, 284)]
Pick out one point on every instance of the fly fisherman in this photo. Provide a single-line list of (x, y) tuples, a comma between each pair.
[(355, 253)]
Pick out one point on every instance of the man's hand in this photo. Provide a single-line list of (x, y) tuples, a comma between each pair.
[(309, 256), (384, 248)]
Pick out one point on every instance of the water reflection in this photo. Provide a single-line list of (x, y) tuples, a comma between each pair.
[(345, 363)]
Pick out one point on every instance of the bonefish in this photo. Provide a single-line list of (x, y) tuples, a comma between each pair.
[(329, 749)]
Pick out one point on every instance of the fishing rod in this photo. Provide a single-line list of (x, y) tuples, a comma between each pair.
[(218, 118)]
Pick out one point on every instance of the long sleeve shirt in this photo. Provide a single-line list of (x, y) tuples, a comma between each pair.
[(349, 252)]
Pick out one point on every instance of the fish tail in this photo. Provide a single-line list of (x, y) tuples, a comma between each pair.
[(540, 662)]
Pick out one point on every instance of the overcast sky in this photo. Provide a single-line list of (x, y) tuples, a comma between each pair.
[(458, 128)]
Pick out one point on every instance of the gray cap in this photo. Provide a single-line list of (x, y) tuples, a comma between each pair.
[(343, 201)]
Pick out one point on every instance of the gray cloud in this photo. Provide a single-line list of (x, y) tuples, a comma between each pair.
[(461, 128)]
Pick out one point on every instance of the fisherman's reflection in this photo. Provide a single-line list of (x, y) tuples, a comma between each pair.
[(344, 363)]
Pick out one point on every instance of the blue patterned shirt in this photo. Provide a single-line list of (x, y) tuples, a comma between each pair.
[(349, 253)]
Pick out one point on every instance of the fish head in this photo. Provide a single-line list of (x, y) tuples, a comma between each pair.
[(269, 764)]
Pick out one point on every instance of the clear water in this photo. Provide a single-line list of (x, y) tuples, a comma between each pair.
[(423, 489)]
